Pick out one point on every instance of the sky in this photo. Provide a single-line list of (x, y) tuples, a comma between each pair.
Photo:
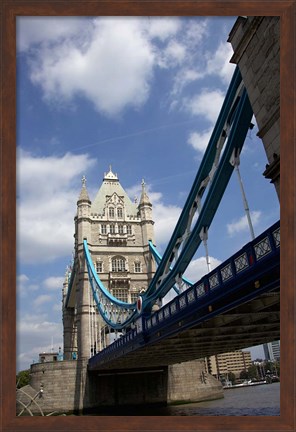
[(140, 94)]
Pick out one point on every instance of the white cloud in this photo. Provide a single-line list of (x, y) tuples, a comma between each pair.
[(199, 141), (184, 77), (163, 28), (218, 63), (24, 286), (164, 216), (174, 53), (112, 71), (241, 225), (46, 204), (196, 31), (53, 283), (40, 300), (85, 57), (57, 307), (34, 30), (206, 104), (35, 333), (22, 283), (22, 278), (198, 268)]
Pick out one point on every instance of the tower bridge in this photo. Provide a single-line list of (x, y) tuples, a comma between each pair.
[(118, 280), (235, 306)]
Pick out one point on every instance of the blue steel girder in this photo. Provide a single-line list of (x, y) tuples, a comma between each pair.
[(164, 279), (218, 137), (116, 313), (158, 259)]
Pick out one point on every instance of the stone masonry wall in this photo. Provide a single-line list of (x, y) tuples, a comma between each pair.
[(59, 383), (188, 382), (68, 387), (256, 45)]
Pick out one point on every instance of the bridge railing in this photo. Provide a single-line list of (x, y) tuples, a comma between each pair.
[(252, 256), (263, 247)]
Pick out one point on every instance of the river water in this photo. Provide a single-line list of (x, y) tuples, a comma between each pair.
[(261, 400)]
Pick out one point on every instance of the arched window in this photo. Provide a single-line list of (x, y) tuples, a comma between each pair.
[(118, 264), (119, 212)]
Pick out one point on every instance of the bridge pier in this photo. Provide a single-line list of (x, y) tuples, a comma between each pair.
[(189, 382), (83, 391), (127, 388)]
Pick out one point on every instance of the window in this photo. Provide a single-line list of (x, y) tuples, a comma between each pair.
[(112, 229), (120, 229), (103, 229), (119, 212), (120, 294), (118, 264), (137, 267), (129, 229), (99, 266), (111, 212), (134, 297)]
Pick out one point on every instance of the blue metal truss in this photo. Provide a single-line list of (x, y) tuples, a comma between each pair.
[(185, 282)]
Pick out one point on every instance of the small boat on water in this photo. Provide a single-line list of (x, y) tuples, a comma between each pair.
[(245, 383)]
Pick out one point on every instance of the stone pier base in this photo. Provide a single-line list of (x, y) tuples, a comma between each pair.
[(68, 387), (188, 382)]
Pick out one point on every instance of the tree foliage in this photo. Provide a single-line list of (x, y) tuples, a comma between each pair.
[(22, 378), (244, 374), (231, 377), (252, 372)]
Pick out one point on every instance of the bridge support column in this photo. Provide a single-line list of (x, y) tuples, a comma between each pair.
[(189, 382), (83, 313), (70, 336)]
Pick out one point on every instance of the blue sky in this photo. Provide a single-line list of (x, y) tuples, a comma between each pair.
[(141, 94)]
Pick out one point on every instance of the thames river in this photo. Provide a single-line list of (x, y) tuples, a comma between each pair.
[(261, 400)]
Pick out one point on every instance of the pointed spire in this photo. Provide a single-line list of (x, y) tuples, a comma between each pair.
[(144, 197), (83, 193), (110, 175)]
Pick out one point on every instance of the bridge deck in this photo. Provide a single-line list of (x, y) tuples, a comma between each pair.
[(235, 306)]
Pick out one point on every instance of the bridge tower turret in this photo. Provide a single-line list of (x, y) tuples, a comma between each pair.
[(147, 228), (69, 324), (117, 231), (83, 297)]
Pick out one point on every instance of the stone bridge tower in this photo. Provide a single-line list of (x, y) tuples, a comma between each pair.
[(117, 231)]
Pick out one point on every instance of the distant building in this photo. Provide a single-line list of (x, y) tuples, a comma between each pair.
[(51, 356), (235, 362), (48, 357), (272, 351)]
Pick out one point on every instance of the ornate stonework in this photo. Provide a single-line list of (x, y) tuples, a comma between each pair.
[(117, 232)]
